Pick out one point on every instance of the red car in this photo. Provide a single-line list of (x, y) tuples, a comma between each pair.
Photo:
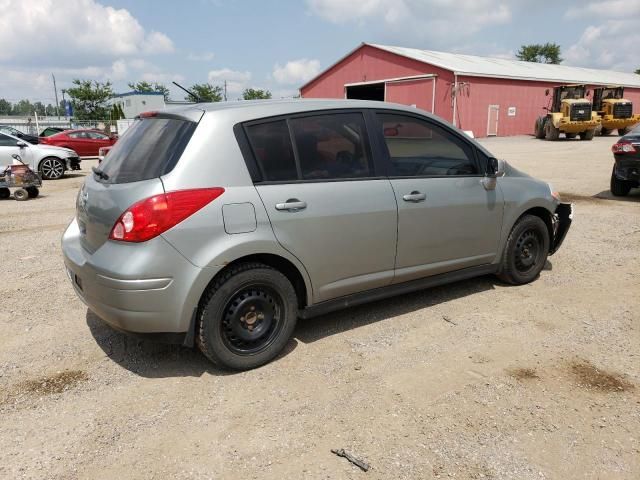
[(85, 142)]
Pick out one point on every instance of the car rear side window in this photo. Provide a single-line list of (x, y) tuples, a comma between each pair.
[(271, 144), (332, 146), (149, 148), (418, 148)]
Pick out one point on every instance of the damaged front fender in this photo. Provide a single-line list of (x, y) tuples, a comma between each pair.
[(561, 221)]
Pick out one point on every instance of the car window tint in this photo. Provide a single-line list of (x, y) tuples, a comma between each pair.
[(6, 141), (97, 136), (420, 148), (271, 144), (77, 135), (332, 146)]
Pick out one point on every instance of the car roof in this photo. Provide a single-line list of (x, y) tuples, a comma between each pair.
[(265, 108)]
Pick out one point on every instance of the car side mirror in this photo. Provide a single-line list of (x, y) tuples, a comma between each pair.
[(21, 144), (493, 167)]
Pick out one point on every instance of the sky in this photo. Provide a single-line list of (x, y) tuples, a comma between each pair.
[(279, 45)]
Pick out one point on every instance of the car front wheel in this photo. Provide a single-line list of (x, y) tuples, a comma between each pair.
[(619, 188), (51, 168), (526, 251), (247, 316)]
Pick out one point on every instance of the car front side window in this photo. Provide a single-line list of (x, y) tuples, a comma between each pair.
[(418, 148), (6, 141)]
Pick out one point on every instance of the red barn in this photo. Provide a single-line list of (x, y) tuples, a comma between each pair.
[(489, 96)]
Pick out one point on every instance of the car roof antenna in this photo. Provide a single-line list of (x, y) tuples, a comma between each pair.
[(198, 99)]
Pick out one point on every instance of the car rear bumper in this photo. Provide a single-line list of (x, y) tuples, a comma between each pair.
[(137, 288), (627, 168), (561, 221)]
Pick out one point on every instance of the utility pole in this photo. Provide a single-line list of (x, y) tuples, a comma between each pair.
[(64, 102), (225, 90), (55, 90)]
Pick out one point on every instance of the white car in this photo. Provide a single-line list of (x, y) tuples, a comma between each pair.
[(52, 162)]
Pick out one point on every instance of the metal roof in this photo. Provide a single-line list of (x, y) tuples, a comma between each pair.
[(475, 66)]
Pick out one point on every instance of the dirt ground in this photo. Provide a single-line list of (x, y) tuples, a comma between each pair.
[(468, 381)]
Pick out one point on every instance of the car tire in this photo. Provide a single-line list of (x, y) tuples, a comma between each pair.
[(33, 192), (20, 194), (619, 188), (4, 193), (587, 134), (550, 131), (623, 131), (247, 316), (51, 168), (525, 252)]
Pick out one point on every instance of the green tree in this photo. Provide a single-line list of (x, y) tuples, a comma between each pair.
[(145, 86), (205, 92), (89, 99), (22, 108), (5, 107), (637, 71), (50, 111), (255, 94), (39, 108), (547, 53)]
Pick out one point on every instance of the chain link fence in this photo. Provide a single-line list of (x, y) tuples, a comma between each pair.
[(29, 125)]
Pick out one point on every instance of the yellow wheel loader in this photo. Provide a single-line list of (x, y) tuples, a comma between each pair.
[(615, 110), (569, 113)]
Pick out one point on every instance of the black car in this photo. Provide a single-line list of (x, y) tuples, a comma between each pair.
[(626, 170), (32, 139)]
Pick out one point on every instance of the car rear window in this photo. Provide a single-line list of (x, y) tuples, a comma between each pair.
[(148, 149)]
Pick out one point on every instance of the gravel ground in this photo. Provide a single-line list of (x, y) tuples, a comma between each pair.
[(472, 380)]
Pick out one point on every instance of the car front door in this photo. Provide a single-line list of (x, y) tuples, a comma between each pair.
[(81, 143), (447, 219), (97, 140), (327, 205)]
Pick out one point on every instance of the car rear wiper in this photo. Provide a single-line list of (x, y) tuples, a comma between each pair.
[(100, 173)]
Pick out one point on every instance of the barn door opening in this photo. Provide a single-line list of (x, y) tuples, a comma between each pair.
[(370, 91), (492, 123)]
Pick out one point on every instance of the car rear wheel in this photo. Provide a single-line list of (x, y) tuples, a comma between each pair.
[(619, 188), (51, 168), (526, 251), (247, 316)]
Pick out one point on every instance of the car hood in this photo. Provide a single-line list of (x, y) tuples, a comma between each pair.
[(57, 150)]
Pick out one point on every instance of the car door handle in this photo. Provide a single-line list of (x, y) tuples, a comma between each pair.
[(291, 205), (415, 196)]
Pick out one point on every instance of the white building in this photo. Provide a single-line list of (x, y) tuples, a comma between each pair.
[(134, 103)]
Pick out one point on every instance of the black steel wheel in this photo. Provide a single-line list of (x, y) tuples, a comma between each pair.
[(33, 192), (20, 194), (247, 316), (4, 193), (526, 251), (52, 168)]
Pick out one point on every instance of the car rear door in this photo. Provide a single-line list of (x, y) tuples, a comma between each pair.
[(96, 140), (447, 220), (326, 202)]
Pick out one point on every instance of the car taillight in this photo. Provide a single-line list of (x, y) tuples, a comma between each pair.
[(623, 147), (152, 216)]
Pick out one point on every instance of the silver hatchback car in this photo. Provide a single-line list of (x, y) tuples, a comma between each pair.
[(222, 224)]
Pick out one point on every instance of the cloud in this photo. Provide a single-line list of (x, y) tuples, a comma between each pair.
[(610, 45), (417, 20), (73, 32), (201, 57), (605, 9), (296, 71), (236, 81)]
